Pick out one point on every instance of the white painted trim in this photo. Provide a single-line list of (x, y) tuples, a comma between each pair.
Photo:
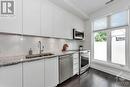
[(120, 72)]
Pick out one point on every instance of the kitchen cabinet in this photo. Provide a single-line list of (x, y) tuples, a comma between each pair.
[(75, 63), (40, 18), (57, 22), (11, 76), (33, 74), (42, 73), (47, 15), (51, 72), (62, 25), (31, 17), (59, 28), (12, 23)]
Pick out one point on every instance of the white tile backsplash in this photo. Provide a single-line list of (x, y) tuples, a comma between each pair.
[(15, 45)]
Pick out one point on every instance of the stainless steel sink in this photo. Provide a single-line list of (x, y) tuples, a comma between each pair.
[(39, 55)]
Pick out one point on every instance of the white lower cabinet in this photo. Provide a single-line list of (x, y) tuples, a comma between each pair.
[(39, 73), (75, 63), (51, 72), (11, 76), (33, 74)]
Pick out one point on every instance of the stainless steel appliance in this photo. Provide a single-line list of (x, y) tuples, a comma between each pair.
[(77, 35), (84, 60), (65, 67)]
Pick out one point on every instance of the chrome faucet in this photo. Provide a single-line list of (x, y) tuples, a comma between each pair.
[(40, 47)]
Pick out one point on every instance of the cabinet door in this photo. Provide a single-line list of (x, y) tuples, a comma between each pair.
[(12, 23), (51, 72), (31, 17), (11, 76), (75, 63), (68, 25), (33, 74), (47, 18), (59, 28)]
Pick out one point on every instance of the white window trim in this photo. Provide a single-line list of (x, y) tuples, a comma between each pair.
[(127, 27), (119, 66)]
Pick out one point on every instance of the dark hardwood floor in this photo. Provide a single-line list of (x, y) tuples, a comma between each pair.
[(95, 78)]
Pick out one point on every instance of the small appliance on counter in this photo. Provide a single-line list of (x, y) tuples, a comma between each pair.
[(78, 35), (81, 48)]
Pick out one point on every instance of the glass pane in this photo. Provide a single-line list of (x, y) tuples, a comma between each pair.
[(118, 46), (100, 24), (119, 19), (100, 46)]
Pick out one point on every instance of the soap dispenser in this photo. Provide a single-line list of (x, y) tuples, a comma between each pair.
[(30, 51)]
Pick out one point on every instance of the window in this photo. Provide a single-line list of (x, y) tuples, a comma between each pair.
[(118, 46), (110, 38), (100, 24), (119, 19), (100, 46)]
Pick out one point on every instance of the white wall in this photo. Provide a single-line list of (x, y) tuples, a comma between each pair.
[(87, 41), (112, 69)]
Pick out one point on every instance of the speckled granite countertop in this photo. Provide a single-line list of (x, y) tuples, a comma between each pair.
[(7, 61)]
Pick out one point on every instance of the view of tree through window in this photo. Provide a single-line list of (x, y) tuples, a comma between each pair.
[(101, 37)]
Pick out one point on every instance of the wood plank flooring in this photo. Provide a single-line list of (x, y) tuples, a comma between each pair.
[(95, 78)]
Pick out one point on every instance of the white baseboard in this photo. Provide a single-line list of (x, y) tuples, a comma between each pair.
[(111, 70)]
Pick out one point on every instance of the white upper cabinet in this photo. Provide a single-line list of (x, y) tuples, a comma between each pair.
[(57, 22), (47, 16), (58, 29), (31, 17), (12, 23), (40, 18), (51, 72), (77, 23), (33, 74), (62, 28), (11, 76)]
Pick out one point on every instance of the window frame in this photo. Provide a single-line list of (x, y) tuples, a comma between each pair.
[(108, 30)]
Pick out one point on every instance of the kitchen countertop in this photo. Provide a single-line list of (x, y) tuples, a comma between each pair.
[(7, 61)]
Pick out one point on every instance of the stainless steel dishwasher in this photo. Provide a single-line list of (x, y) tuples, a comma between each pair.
[(65, 67)]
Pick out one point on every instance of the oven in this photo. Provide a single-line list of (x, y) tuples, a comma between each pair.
[(84, 60)]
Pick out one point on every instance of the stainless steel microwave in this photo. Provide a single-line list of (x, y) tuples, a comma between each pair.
[(78, 35)]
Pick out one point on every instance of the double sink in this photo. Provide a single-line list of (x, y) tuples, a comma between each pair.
[(39, 55)]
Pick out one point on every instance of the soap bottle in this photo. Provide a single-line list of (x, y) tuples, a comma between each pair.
[(30, 51)]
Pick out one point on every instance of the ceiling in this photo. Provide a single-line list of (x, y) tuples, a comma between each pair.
[(82, 7), (89, 6)]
